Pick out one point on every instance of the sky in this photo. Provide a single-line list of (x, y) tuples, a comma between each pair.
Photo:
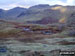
[(8, 4)]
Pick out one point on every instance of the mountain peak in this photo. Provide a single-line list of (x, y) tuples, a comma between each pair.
[(19, 8), (40, 6)]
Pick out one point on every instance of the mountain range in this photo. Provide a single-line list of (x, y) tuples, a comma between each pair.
[(40, 14)]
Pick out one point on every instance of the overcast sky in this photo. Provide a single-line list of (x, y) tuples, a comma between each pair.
[(8, 4)]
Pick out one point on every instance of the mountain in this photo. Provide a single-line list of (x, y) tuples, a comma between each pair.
[(12, 13), (38, 13), (15, 11), (57, 12), (40, 6)]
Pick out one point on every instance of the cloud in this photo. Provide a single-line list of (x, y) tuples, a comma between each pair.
[(71, 2), (62, 2)]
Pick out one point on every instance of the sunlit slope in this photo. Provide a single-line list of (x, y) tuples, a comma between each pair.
[(66, 11)]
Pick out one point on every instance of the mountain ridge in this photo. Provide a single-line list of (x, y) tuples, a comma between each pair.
[(37, 13)]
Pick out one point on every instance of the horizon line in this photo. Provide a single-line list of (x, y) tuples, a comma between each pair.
[(35, 5)]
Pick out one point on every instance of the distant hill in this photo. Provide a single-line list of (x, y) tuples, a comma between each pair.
[(41, 13)]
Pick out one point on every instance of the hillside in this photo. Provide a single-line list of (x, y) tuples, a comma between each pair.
[(37, 13)]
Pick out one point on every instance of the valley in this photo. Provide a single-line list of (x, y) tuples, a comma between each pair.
[(41, 30)]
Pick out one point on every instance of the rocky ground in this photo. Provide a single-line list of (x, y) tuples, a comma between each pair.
[(43, 47), (22, 43)]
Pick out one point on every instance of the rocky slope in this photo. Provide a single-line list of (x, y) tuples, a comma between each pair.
[(37, 13)]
